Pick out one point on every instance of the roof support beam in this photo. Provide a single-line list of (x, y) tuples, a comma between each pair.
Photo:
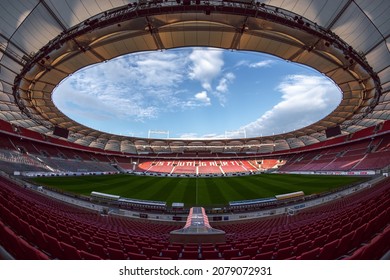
[(337, 17), (12, 56), (53, 15), (306, 48), (296, 54), (377, 44), (14, 45), (101, 58), (237, 36), (156, 37)]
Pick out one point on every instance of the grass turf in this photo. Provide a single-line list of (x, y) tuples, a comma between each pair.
[(197, 191)]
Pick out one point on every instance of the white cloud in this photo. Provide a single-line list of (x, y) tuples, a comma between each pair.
[(206, 66), (261, 64), (111, 103), (159, 68), (193, 135), (212, 136), (200, 99), (142, 86), (305, 100), (138, 87), (223, 87), (189, 135), (203, 97), (224, 82)]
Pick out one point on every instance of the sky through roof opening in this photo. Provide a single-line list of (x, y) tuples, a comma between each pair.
[(197, 93)]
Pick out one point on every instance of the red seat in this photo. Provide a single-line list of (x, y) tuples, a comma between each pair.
[(115, 254), (333, 235), (284, 253), (99, 240), (190, 255), (160, 258), (97, 249), (328, 251), (70, 252), (114, 245), (175, 247), (25, 227), (65, 237), (210, 255), (207, 248), (224, 247), (251, 251), (320, 240), (135, 256), (149, 252), (191, 247), (88, 256), (141, 244), (264, 256), (244, 257), (85, 236), (18, 247), (80, 243), (131, 248), (268, 247), (344, 245), (228, 254), (240, 246), (284, 243), (159, 247), (52, 231), (53, 247), (378, 246), (303, 247), (39, 239), (310, 255), (358, 237), (170, 254), (31, 253), (298, 240)]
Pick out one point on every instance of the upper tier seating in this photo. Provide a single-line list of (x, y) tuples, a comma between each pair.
[(344, 153), (368, 154)]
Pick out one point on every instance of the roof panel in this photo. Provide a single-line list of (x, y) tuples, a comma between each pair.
[(355, 28), (5, 97), (384, 75), (323, 12), (5, 73), (38, 29), (379, 57), (318, 11), (3, 46), (13, 14), (378, 12), (72, 12), (361, 23)]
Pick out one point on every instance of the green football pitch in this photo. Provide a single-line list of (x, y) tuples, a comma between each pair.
[(213, 191)]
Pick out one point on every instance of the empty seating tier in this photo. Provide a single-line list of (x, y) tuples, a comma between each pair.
[(33, 226)]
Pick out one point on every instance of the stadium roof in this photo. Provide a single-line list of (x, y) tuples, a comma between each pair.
[(44, 41)]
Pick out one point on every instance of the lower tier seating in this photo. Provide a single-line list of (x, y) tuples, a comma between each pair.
[(33, 226)]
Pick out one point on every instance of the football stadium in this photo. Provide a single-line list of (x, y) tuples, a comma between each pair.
[(72, 192)]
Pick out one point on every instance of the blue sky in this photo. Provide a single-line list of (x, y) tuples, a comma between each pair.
[(197, 93)]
